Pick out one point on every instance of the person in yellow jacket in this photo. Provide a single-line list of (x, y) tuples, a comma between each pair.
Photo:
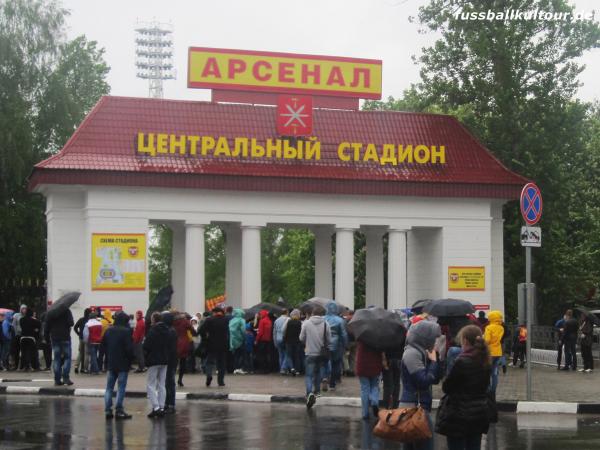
[(494, 332), (106, 321)]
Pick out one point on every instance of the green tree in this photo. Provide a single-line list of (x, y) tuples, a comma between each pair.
[(512, 83), (42, 99)]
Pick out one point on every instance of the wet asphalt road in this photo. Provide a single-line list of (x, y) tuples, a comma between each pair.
[(36, 422)]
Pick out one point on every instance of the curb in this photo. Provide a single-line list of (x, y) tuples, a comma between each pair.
[(519, 407)]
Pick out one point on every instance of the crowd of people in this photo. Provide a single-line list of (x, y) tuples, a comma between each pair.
[(465, 352)]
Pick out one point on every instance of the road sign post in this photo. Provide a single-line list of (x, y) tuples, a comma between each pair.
[(531, 210)]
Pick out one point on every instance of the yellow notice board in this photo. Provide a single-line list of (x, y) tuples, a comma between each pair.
[(466, 278), (118, 262)]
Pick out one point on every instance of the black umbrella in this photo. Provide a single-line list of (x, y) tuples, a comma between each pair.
[(271, 307), (309, 304), (160, 303), (62, 304), (378, 328), (417, 307), (588, 314), (449, 307)]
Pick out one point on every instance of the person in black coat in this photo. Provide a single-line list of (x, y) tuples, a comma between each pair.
[(82, 356), (30, 335), (215, 330), (117, 343), (156, 358), (167, 319), (465, 411), (57, 330)]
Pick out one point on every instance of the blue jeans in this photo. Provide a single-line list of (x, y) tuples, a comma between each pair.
[(472, 442), (111, 379), (62, 359), (495, 368), (336, 363), (571, 353), (369, 394), (283, 361), (94, 357), (315, 371)]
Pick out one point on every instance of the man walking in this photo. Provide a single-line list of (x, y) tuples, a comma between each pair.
[(16, 341), (118, 345), (337, 345), (569, 331), (83, 356), (58, 331), (138, 337), (559, 327), (168, 318), (215, 330), (156, 357), (278, 328), (316, 336), (92, 335)]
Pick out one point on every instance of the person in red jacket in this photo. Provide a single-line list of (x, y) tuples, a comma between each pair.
[(263, 342), (138, 339), (369, 364), (185, 331), (92, 332)]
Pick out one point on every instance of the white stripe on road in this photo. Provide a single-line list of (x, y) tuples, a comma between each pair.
[(44, 380), (181, 395), (338, 401), (89, 392), (22, 389), (249, 397), (546, 407)]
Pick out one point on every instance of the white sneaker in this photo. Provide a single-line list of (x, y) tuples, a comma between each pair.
[(237, 372), (588, 370), (580, 370), (242, 372)]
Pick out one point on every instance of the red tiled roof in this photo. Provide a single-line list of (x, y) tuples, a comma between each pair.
[(101, 151)]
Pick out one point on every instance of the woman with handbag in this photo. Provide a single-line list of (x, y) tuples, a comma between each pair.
[(464, 413), (419, 371)]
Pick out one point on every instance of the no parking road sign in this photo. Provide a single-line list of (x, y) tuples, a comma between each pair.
[(531, 204)]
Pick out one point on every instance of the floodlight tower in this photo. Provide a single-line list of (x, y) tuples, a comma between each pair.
[(154, 55)]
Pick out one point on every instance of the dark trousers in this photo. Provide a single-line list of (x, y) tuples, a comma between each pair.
[(472, 442), (248, 361), (170, 385), (519, 353), (238, 357), (218, 360), (47, 350), (391, 384), (15, 350), (182, 364), (294, 355), (28, 353), (586, 354), (571, 353), (559, 349), (263, 356)]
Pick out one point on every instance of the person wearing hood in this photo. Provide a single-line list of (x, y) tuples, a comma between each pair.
[(237, 337), (16, 340), (278, 327), (7, 334), (264, 339), (493, 334), (337, 346), (168, 318), (420, 370), (106, 319), (156, 357), (92, 335), (316, 336), (138, 338), (293, 346), (83, 356), (30, 335), (215, 330), (117, 343)]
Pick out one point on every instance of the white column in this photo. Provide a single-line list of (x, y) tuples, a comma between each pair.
[(344, 266), (397, 269), (233, 263), (178, 274), (374, 269), (323, 266), (194, 268), (251, 270)]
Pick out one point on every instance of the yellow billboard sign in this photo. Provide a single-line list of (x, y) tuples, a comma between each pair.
[(466, 278), (118, 262), (284, 72)]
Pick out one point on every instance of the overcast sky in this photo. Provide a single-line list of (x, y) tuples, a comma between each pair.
[(377, 29)]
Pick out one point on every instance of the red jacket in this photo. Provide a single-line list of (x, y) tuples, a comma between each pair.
[(94, 331), (182, 325), (265, 327), (368, 361), (140, 328)]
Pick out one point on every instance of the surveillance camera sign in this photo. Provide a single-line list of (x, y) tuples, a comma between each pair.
[(531, 236)]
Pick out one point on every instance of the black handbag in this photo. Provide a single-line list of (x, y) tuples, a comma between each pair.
[(325, 352)]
